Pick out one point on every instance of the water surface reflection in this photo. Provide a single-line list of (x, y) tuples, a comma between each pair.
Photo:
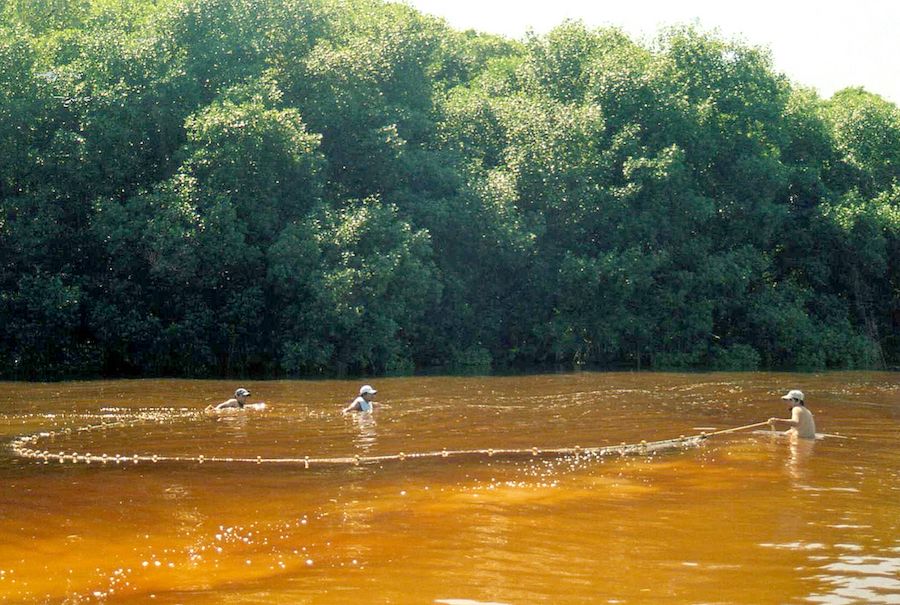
[(818, 520)]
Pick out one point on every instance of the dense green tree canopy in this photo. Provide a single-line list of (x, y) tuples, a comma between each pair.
[(292, 187)]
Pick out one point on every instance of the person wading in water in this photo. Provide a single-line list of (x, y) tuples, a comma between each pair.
[(801, 422), (235, 404), (364, 402)]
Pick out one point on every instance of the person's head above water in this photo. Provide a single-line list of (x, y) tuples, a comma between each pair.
[(366, 389), (238, 401), (794, 397)]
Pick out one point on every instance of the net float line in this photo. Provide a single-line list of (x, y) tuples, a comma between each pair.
[(643, 448), (23, 447)]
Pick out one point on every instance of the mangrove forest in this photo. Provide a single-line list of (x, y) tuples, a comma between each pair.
[(323, 187)]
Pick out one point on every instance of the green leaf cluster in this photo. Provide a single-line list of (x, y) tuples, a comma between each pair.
[(298, 187)]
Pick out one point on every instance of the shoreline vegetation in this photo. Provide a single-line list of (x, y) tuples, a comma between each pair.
[(301, 188)]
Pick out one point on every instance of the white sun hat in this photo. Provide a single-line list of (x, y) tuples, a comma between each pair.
[(794, 394)]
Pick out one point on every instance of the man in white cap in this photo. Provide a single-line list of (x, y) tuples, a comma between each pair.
[(364, 402), (801, 422), (238, 402)]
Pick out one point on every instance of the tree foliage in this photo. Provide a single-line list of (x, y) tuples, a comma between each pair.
[(294, 187)]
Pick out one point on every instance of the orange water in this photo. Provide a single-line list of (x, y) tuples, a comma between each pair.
[(745, 518)]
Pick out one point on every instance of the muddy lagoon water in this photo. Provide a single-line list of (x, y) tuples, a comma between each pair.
[(748, 517)]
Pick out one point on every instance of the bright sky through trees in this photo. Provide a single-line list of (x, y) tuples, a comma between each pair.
[(826, 45)]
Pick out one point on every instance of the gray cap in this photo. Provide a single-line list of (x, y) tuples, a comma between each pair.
[(241, 393)]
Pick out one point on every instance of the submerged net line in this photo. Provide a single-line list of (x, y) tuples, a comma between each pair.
[(25, 446)]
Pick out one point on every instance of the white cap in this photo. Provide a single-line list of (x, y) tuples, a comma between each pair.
[(241, 393), (795, 394), (367, 389)]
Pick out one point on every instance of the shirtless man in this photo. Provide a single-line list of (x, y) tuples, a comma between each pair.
[(237, 403), (801, 422), (364, 402)]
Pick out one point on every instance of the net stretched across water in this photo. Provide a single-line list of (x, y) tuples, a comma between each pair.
[(28, 446)]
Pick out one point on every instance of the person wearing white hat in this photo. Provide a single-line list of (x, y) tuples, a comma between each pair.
[(801, 422), (364, 402), (237, 402)]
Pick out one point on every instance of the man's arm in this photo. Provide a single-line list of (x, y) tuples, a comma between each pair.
[(231, 403), (792, 421), (353, 407)]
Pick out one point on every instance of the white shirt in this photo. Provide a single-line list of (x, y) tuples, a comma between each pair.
[(362, 404)]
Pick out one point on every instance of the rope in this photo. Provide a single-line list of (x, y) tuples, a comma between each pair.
[(759, 424), (643, 448), (23, 447)]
